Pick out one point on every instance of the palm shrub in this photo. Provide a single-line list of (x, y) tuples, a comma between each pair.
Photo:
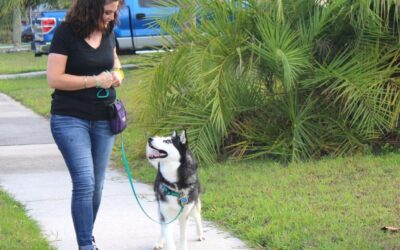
[(292, 80)]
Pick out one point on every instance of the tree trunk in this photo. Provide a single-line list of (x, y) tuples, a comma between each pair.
[(17, 27)]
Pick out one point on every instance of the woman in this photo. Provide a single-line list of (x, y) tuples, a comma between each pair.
[(83, 68)]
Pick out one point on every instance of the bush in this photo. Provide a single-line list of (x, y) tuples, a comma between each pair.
[(292, 81)]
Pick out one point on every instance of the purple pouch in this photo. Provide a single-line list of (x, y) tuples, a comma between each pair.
[(118, 117)]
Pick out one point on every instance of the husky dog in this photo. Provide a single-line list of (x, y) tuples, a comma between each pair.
[(177, 186)]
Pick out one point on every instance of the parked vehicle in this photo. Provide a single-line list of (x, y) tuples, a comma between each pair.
[(136, 28), (26, 34), (43, 26)]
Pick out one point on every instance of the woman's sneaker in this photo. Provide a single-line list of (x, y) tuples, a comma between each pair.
[(94, 244)]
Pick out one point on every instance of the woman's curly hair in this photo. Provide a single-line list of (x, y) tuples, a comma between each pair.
[(85, 16)]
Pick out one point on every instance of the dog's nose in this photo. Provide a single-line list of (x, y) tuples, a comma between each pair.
[(150, 140)]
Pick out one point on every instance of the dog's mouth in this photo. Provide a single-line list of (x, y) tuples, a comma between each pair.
[(154, 153)]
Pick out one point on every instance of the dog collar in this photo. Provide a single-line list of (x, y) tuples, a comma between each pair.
[(183, 199)]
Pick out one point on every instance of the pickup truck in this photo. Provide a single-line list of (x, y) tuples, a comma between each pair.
[(136, 28)]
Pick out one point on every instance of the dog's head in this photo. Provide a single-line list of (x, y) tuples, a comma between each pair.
[(169, 150)]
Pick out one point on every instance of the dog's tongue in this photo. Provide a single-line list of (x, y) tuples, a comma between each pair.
[(151, 153), (154, 155)]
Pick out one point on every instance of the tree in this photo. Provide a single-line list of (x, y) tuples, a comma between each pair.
[(16, 27), (16, 6)]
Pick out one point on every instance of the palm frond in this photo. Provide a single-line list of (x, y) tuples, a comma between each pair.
[(282, 51)]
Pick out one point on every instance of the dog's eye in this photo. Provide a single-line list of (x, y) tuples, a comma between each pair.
[(168, 141)]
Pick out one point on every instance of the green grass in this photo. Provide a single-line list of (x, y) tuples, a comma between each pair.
[(13, 63), (17, 230), (330, 204), (32, 92)]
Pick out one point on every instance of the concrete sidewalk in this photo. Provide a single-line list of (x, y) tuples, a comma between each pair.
[(33, 172)]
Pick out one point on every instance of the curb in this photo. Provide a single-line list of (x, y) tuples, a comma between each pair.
[(12, 49), (40, 73)]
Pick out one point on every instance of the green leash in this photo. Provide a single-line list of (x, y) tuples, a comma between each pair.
[(128, 171)]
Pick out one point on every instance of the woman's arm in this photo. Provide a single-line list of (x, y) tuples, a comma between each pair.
[(117, 73), (117, 63), (58, 79)]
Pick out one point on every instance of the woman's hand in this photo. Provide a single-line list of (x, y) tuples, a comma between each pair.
[(105, 80), (118, 75)]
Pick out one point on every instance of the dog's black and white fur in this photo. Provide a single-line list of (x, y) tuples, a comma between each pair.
[(177, 174)]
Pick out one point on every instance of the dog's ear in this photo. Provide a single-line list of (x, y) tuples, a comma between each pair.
[(173, 134), (183, 137)]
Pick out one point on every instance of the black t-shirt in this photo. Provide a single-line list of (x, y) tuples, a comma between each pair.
[(83, 60)]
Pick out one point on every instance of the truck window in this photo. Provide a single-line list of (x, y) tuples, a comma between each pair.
[(149, 3)]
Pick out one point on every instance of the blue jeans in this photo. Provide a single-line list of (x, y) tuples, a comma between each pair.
[(86, 147)]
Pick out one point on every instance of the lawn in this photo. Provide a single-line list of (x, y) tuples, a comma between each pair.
[(13, 63), (337, 203), (17, 230)]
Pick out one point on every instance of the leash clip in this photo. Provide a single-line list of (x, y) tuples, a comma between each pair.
[(183, 199)]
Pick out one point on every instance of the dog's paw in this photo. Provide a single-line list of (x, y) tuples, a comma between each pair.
[(201, 238), (158, 246)]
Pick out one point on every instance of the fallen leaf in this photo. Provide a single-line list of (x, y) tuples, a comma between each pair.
[(390, 228)]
